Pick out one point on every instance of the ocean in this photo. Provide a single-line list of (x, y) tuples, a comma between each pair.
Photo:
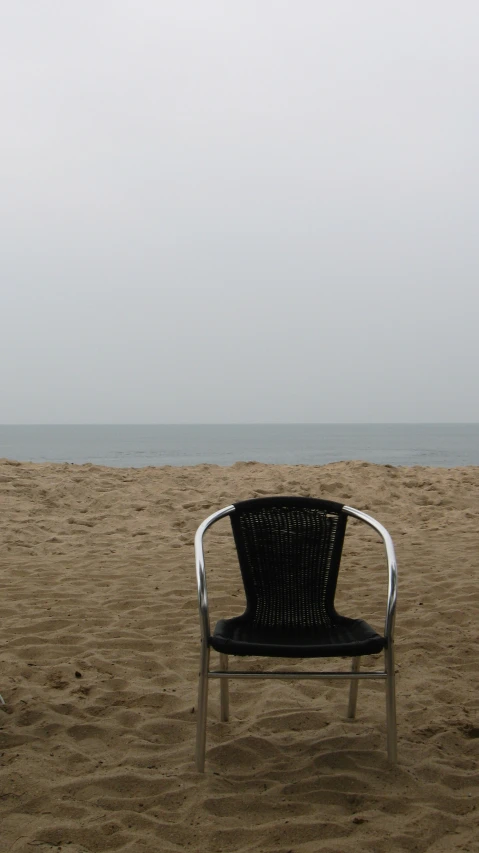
[(441, 445)]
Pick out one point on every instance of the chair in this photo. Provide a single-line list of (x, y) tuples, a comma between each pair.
[(289, 551)]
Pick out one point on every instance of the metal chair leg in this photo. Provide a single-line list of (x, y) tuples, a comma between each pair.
[(224, 691), (391, 705), (202, 706), (353, 689)]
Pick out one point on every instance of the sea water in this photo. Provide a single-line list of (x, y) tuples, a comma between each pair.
[(445, 445)]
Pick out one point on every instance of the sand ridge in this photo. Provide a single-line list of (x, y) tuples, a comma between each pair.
[(98, 660)]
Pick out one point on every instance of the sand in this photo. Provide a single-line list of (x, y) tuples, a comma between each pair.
[(98, 659)]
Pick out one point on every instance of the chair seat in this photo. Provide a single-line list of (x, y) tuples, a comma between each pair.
[(345, 638)]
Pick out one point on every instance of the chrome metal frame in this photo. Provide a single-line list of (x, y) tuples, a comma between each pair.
[(354, 675)]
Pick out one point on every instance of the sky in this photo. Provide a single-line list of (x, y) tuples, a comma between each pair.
[(219, 212)]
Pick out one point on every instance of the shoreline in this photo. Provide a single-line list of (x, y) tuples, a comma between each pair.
[(238, 463)]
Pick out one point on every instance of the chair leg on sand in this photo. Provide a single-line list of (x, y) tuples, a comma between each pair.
[(391, 705), (353, 690), (202, 706), (224, 692)]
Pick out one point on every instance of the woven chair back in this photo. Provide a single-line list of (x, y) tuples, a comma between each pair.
[(289, 551)]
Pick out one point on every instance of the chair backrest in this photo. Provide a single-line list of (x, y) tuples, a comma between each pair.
[(289, 551)]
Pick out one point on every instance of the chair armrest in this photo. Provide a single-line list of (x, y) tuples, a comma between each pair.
[(392, 567), (201, 569)]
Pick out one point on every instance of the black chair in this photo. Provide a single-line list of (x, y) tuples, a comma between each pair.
[(289, 551)]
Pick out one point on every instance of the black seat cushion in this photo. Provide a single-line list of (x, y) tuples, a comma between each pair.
[(344, 638)]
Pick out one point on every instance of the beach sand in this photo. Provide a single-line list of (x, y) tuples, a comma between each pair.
[(99, 641)]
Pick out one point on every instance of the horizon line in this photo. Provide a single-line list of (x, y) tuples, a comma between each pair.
[(244, 423)]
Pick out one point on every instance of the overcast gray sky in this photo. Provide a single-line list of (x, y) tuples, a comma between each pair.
[(255, 211)]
